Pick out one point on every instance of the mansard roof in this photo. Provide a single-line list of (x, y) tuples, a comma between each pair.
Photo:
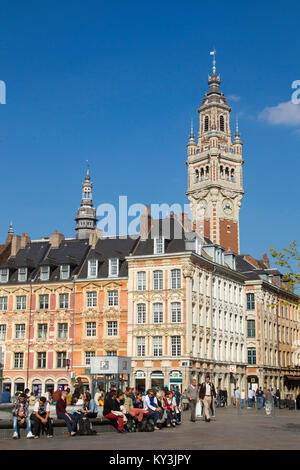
[(105, 249)]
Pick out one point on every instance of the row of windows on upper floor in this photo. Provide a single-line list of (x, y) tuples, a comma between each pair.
[(62, 330), (282, 309), (63, 301)]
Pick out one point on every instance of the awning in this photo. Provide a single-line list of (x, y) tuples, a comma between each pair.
[(292, 378)]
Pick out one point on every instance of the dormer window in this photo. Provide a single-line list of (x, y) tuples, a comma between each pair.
[(159, 245), (45, 273), (4, 273), (22, 274), (65, 271), (93, 268), (113, 267)]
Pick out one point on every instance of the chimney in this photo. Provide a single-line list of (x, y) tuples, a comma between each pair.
[(146, 223), (56, 239), (266, 261), (15, 244), (185, 221), (25, 240)]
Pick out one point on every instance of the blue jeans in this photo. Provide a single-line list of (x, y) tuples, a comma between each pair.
[(15, 424), (218, 401), (155, 415), (243, 403), (250, 402), (260, 402), (70, 424)]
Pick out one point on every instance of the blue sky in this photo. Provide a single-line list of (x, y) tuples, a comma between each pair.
[(118, 82)]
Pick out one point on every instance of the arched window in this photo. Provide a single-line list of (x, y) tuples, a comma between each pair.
[(197, 176), (206, 124), (207, 172), (202, 173), (232, 176), (222, 124), (227, 173), (222, 171)]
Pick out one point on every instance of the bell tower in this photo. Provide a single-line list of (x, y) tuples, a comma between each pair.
[(215, 162), (86, 215)]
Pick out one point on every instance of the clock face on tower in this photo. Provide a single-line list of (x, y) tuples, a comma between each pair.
[(227, 206)]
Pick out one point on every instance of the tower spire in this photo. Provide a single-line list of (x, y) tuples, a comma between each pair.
[(11, 229), (86, 215), (213, 53)]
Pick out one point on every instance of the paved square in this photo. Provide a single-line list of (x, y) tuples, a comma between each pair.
[(230, 431)]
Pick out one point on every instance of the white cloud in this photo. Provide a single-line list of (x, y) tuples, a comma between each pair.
[(284, 113), (234, 98)]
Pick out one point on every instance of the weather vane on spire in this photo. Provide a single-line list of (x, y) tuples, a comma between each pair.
[(213, 53)]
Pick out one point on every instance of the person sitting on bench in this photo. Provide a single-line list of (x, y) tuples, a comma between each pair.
[(40, 418)]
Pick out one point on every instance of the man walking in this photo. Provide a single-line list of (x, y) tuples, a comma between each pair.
[(207, 394), (192, 396)]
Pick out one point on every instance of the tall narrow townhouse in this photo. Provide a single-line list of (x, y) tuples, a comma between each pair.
[(101, 305)]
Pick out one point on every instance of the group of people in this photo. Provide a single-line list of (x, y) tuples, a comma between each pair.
[(39, 420), (207, 395), (164, 407)]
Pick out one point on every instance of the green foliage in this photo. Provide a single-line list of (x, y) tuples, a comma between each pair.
[(289, 260)]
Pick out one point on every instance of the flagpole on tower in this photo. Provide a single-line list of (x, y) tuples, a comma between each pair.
[(213, 53)]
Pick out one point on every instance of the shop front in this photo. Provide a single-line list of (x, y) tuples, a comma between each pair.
[(49, 386), (63, 384), (252, 382), (140, 381), (157, 380), (36, 387), (19, 385), (175, 381)]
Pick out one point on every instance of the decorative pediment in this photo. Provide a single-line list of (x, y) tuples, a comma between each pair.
[(90, 314), (63, 289), (19, 290), (139, 297), (17, 346), (91, 285), (43, 290)]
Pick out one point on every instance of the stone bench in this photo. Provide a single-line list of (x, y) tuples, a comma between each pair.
[(99, 424)]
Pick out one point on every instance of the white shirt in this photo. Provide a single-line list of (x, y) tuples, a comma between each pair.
[(37, 407), (242, 395), (208, 390)]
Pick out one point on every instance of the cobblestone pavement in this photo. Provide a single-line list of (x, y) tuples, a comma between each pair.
[(250, 431)]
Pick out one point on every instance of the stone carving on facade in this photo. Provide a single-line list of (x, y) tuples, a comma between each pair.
[(90, 315), (139, 297), (188, 270), (17, 346)]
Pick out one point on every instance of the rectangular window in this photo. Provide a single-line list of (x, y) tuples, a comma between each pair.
[(41, 360), (158, 280), (251, 356), (91, 299), (141, 314), (111, 353), (140, 346), (88, 356), (93, 268), (113, 267), (250, 302), (159, 245), (20, 331), (157, 346), (175, 345), (158, 313), (176, 279), (141, 280), (21, 302), (22, 274), (42, 330), (3, 303), (2, 332), (4, 272), (112, 328), (63, 300), (45, 273), (91, 329), (112, 298), (176, 312), (65, 271), (251, 329), (62, 330), (44, 301), (18, 360), (61, 362)]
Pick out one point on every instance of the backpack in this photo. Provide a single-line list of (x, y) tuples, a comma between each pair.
[(85, 427), (146, 425)]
